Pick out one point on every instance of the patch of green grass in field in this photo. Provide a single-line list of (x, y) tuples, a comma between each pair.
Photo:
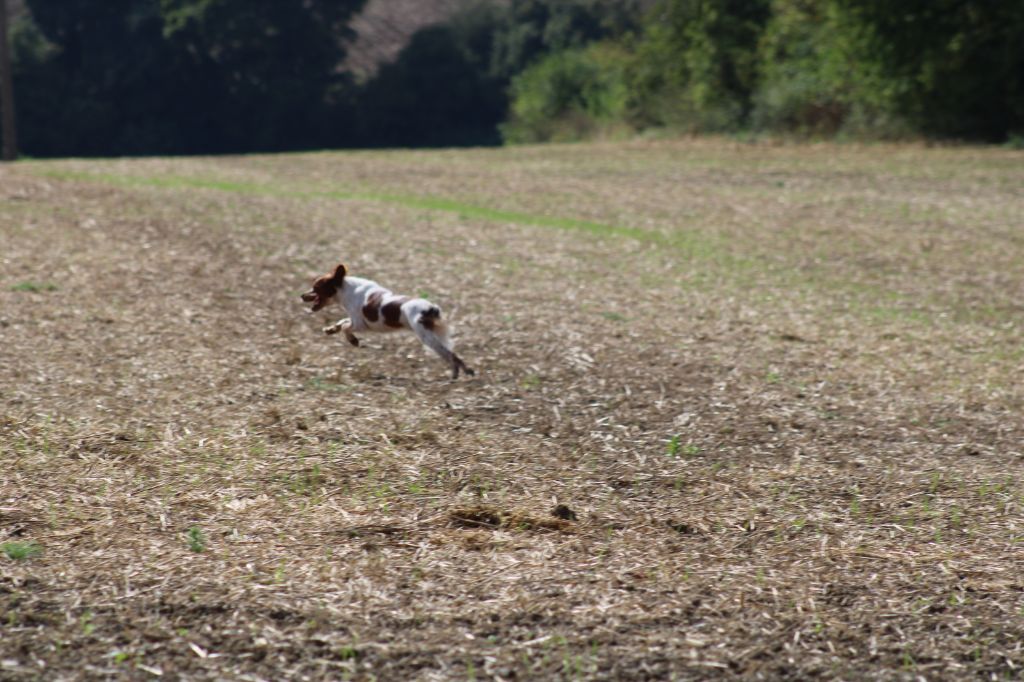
[(196, 539), (34, 287), (164, 181), (695, 245), (321, 384), (20, 551), (305, 482), (867, 299)]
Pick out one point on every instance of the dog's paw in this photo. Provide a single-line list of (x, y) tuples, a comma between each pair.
[(333, 329), (353, 340)]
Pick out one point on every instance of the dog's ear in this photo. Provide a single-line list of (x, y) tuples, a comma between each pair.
[(339, 273)]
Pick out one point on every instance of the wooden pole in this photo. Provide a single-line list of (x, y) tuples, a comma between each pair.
[(10, 140)]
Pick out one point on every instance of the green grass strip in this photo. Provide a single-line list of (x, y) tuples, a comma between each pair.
[(873, 300), (691, 243)]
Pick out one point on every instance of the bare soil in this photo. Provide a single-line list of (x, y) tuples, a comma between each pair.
[(748, 411)]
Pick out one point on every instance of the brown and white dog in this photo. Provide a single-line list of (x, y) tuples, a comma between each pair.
[(372, 308)]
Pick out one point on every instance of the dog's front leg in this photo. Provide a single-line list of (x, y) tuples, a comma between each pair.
[(336, 327), (344, 326)]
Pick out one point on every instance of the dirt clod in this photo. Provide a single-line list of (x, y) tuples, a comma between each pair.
[(561, 511)]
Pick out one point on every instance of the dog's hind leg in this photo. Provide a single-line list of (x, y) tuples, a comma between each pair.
[(435, 338), (459, 363)]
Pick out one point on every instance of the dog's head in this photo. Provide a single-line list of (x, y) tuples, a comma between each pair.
[(325, 288)]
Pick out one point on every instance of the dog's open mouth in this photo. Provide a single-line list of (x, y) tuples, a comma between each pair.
[(314, 298)]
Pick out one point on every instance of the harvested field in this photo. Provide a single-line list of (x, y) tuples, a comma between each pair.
[(741, 411)]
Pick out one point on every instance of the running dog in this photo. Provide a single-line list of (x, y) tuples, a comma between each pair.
[(372, 308)]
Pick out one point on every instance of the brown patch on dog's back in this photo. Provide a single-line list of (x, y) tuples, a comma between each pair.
[(392, 311), (371, 309)]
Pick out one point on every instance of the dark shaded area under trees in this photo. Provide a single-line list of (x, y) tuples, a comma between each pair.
[(135, 77)]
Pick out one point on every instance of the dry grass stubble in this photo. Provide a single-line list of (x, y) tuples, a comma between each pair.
[(773, 471)]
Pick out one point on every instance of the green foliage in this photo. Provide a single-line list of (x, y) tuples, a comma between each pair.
[(34, 287), (20, 551), (85, 621), (863, 68), (696, 64), (569, 95), (693, 68), (258, 67), (673, 446), (852, 67), (89, 71), (439, 91), (110, 77), (450, 85), (196, 539), (960, 62), (868, 68), (531, 29), (821, 73), (116, 77)]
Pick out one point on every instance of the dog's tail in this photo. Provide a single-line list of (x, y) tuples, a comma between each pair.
[(431, 320)]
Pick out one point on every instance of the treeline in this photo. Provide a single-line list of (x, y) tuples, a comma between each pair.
[(120, 77), (857, 68), (125, 77)]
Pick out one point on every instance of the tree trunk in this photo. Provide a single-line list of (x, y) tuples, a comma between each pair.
[(10, 140)]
